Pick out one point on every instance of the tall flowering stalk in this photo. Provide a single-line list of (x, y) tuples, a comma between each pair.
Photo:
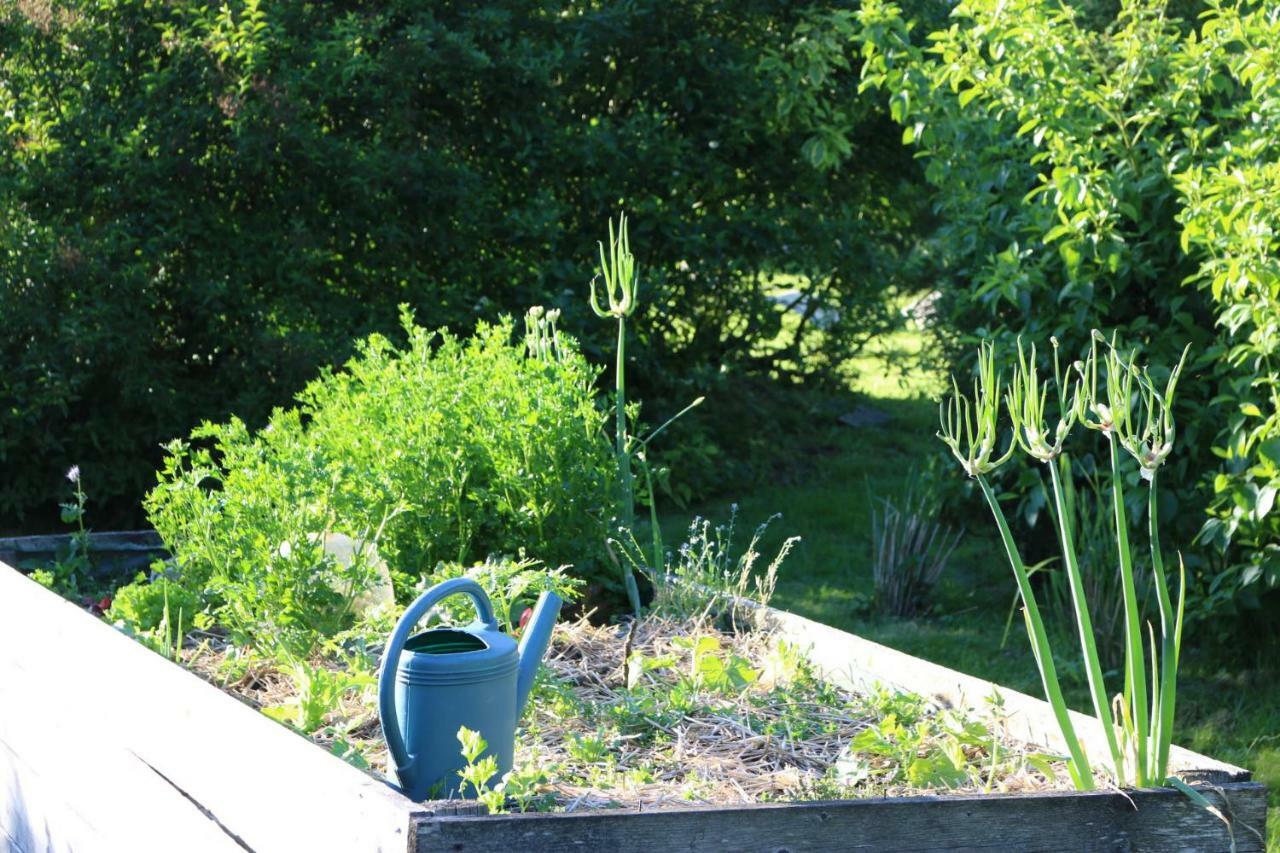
[(621, 287), (1136, 417), (971, 428), (1028, 410)]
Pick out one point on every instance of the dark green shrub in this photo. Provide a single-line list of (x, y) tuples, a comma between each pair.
[(443, 450), (203, 203)]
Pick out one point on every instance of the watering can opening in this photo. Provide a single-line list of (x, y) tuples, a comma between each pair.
[(445, 641)]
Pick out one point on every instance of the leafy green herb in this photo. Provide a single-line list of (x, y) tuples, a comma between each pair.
[(443, 451), (318, 692)]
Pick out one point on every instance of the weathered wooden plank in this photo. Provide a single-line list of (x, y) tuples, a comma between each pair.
[(107, 746), (856, 663), (61, 788), (1156, 820)]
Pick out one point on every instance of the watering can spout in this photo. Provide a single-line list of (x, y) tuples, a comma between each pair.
[(533, 644)]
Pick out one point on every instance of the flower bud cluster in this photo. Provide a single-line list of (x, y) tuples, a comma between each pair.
[(618, 269), (1127, 407)]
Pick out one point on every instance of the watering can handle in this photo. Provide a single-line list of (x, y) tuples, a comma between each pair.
[(395, 645)]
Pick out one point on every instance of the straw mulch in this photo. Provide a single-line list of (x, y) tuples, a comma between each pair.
[(779, 738), (720, 752)]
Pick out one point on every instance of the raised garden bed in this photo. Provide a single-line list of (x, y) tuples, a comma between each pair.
[(702, 715), (105, 745)]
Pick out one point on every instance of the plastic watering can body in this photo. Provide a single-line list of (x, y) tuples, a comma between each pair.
[(434, 682)]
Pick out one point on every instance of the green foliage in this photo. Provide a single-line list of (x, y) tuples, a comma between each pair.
[(707, 571), (157, 615), (145, 606), (910, 550), (520, 785), (591, 748), (348, 752), (921, 755), (512, 586), (1229, 195), (910, 744), (713, 668), (318, 691), (252, 538), (1084, 172), (443, 450), (69, 574), (202, 203)]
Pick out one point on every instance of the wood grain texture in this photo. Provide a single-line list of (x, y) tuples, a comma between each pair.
[(107, 746), (1158, 820)]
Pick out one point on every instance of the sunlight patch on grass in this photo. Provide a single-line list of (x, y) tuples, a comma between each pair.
[(890, 368)]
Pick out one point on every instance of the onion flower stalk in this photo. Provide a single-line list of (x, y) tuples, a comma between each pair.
[(621, 287), (1135, 417)]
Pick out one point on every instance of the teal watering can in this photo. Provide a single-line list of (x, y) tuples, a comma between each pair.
[(435, 682)]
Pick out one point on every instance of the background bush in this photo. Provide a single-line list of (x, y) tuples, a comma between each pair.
[(1087, 171), (203, 203), (444, 450)]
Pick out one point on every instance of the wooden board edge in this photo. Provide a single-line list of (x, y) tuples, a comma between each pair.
[(1152, 820), (266, 785), (125, 540)]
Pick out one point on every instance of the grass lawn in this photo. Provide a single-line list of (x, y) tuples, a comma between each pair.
[(1228, 713)]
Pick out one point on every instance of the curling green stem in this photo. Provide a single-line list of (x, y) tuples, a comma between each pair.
[(1088, 646), (1080, 770), (1170, 636), (1134, 662)]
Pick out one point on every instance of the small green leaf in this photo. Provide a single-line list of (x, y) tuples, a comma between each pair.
[(1043, 764), (1270, 450), (1057, 231), (1266, 500)]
